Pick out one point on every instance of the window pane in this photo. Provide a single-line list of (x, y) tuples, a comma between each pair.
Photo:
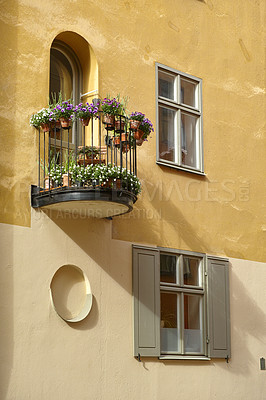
[(188, 93), (193, 326), (189, 140), (169, 268), (61, 75), (167, 133), (167, 85), (170, 326), (192, 271)]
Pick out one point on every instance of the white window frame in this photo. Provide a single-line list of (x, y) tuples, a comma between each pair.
[(182, 289), (179, 107)]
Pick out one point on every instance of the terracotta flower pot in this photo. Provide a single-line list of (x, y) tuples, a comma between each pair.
[(109, 119), (66, 180), (108, 184), (125, 148), (139, 142), (45, 127), (117, 184), (65, 122), (119, 126), (117, 140), (85, 121), (46, 183), (134, 124), (123, 136), (138, 134)]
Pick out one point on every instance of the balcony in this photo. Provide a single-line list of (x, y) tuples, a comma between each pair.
[(90, 170)]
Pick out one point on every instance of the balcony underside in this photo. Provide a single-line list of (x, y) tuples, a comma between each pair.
[(86, 202)]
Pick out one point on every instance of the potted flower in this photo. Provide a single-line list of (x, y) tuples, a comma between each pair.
[(64, 112), (91, 154), (145, 129), (85, 112), (110, 108), (135, 119), (43, 119)]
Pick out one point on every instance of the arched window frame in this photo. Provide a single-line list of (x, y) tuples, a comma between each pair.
[(74, 62)]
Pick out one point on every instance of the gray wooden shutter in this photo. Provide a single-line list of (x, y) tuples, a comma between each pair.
[(146, 291), (218, 308)]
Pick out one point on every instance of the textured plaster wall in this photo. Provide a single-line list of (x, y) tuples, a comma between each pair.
[(220, 42), (43, 357)]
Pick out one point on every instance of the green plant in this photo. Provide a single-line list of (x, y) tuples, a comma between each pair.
[(137, 116), (89, 151), (99, 174), (64, 110), (112, 107), (44, 116), (86, 111), (147, 127)]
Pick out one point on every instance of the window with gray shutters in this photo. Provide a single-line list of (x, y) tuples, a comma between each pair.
[(181, 304)]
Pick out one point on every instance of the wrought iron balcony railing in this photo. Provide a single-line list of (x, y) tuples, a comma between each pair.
[(88, 169)]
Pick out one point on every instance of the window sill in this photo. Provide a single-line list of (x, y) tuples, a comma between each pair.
[(194, 358), (166, 164)]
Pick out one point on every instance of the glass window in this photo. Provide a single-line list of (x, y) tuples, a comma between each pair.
[(167, 138), (188, 93), (179, 120), (182, 304), (61, 75), (167, 85), (193, 325), (189, 140), (170, 323), (65, 81), (192, 271), (169, 268)]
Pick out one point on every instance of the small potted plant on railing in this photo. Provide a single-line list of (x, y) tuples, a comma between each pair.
[(85, 112), (64, 112), (135, 119), (43, 119), (91, 155), (144, 131), (110, 108)]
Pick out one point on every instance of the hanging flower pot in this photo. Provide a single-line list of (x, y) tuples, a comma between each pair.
[(109, 119), (65, 122), (139, 142), (125, 148), (116, 140), (45, 127), (85, 121), (119, 125), (138, 134), (134, 124)]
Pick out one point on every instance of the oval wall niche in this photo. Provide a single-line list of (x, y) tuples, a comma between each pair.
[(70, 293)]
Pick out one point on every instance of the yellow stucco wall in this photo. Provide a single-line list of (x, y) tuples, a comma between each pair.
[(220, 42)]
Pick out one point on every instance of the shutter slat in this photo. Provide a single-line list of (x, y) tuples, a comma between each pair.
[(219, 308), (146, 291)]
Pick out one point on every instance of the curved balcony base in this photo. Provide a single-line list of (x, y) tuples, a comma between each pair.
[(86, 202)]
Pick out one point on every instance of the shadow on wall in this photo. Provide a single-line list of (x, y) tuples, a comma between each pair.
[(93, 236)]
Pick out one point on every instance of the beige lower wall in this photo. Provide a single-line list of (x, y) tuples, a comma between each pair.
[(43, 357)]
